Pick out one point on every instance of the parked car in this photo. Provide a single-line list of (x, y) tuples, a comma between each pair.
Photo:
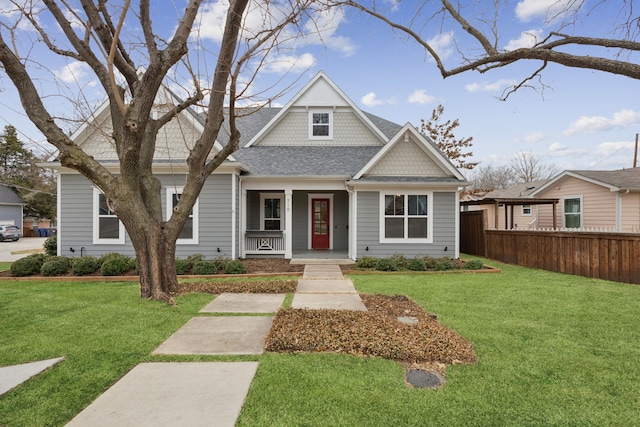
[(10, 232)]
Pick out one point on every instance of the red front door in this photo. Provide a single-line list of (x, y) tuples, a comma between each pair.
[(320, 225)]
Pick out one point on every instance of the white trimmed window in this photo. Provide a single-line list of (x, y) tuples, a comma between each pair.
[(189, 233), (321, 124), (406, 217), (526, 210), (107, 228), (572, 212), (271, 211)]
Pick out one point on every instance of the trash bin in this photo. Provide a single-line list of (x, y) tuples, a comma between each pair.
[(52, 232), (43, 232)]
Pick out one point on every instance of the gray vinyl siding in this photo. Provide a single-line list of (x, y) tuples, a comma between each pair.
[(75, 225), (253, 210), (301, 217), (368, 234)]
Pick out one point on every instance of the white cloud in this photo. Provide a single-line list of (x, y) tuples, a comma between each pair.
[(527, 10), (287, 63), (527, 39), (592, 124), (73, 72), (442, 44), (496, 86), (534, 137), (72, 17), (371, 100), (607, 149), (421, 97), (319, 28)]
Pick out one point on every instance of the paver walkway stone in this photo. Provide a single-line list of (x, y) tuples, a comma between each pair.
[(173, 395), (325, 286), (328, 301), (13, 376), (219, 336), (245, 303)]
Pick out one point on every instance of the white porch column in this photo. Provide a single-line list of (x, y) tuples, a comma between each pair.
[(243, 221), (288, 224), (353, 224)]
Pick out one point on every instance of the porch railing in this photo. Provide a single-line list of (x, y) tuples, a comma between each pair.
[(264, 242)]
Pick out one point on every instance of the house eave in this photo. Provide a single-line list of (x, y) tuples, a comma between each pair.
[(167, 167)]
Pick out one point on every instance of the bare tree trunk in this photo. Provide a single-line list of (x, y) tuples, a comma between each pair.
[(156, 260)]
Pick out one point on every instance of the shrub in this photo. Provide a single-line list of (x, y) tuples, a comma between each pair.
[(183, 266), (430, 263), (205, 267), (400, 261), (458, 264), (474, 264), (55, 266), (385, 264), (192, 259), (234, 267), (417, 264), (444, 263), (51, 246), (116, 266), (221, 262), (27, 266), (85, 265), (367, 262)]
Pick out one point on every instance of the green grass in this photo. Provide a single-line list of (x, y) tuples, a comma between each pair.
[(102, 329), (553, 350), (4, 266)]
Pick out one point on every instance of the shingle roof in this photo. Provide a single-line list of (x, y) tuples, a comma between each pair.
[(519, 190), (305, 160), (622, 178), (9, 197)]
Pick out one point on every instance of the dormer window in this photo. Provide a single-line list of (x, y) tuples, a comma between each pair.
[(320, 124)]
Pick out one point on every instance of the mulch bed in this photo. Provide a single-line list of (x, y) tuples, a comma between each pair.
[(256, 286), (376, 332)]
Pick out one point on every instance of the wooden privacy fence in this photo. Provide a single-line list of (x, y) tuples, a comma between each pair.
[(472, 225), (609, 256)]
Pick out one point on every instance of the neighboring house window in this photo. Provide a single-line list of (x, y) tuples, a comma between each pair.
[(189, 233), (107, 228), (526, 210), (271, 211), (320, 125), (572, 212), (405, 217)]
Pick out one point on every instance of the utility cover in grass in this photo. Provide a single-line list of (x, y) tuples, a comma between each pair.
[(424, 379)]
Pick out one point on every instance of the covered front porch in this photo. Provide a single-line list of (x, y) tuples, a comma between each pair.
[(302, 221)]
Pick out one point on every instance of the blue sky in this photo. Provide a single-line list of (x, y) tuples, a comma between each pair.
[(583, 120)]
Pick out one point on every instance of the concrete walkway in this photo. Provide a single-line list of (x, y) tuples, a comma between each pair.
[(212, 393)]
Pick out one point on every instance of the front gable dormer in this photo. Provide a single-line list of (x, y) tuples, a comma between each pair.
[(174, 141), (409, 154), (319, 115)]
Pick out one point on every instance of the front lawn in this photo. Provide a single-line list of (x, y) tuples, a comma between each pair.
[(5, 266), (553, 350)]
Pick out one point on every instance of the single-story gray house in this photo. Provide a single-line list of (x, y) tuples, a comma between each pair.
[(11, 207), (318, 174)]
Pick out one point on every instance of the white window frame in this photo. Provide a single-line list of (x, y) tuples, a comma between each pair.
[(329, 125), (581, 213), (96, 223), (406, 216), (524, 213), (195, 216), (264, 196)]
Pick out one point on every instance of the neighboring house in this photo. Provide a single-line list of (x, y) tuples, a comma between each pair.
[(511, 208), (11, 206), (592, 200), (316, 174)]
